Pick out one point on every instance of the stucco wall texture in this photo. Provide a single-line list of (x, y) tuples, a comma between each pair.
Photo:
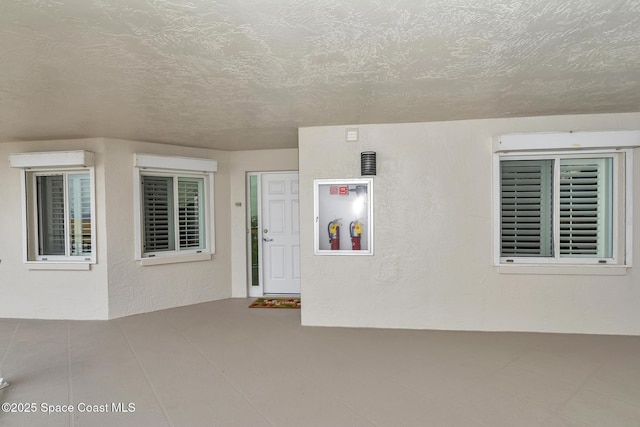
[(138, 289), (49, 294), (117, 285), (432, 267), (433, 262)]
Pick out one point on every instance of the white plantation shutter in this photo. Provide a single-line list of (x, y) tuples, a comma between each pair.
[(50, 211), (585, 207), (172, 215), (526, 207), (63, 208), (589, 219), (58, 208), (190, 212), (79, 199), (157, 201), (582, 217)]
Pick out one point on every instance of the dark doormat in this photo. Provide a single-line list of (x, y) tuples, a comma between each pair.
[(276, 303)]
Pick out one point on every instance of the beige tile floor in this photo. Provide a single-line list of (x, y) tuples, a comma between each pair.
[(223, 364)]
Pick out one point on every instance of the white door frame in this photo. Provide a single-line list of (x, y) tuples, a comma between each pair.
[(256, 291)]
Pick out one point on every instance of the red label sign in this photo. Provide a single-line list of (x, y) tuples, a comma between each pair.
[(339, 190)]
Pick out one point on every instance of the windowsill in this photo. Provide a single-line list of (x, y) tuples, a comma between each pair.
[(174, 259), (575, 270), (69, 266)]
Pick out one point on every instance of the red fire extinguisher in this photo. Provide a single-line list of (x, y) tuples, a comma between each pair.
[(355, 229), (334, 235)]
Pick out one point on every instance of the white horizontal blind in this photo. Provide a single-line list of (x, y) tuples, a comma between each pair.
[(585, 207), (79, 198), (50, 213), (526, 202), (190, 212), (158, 219)]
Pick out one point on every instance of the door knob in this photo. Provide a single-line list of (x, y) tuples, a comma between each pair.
[(266, 239)]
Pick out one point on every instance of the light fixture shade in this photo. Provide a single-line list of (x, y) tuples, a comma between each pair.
[(368, 163)]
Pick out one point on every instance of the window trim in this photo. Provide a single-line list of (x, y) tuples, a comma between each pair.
[(623, 199), (35, 223), (149, 164), (573, 144), (174, 236), (54, 162)]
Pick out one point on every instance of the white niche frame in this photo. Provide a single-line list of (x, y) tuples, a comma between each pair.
[(346, 200)]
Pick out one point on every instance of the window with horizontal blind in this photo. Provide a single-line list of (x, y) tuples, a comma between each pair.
[(175, 207), (173, 213), (60, 216), (562, 208), (58, 209), (191, 212), (158, 220), (586, 208), (526, 207)]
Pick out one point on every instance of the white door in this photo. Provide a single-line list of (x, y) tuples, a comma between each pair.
[(280, 233)]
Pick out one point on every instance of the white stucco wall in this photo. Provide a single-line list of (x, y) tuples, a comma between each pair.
[(433, 266), (48, 294), (137, 289), (242, 162), (117, 285)]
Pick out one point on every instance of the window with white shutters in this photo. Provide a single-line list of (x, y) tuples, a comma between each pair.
[(173, 213), (586, 208), (80, 221), (58, 209), (157, 199), (190, 212), (526, 207), (559, 208), (51, 218), (61, 206), (174, 210)]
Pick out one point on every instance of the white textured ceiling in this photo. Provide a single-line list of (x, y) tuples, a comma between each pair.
[(246, 74)]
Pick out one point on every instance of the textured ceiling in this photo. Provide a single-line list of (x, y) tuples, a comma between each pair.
[(246, 74)]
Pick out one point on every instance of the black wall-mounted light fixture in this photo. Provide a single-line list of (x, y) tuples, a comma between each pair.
[(368, 163)]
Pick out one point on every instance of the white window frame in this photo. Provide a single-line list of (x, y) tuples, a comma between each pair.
[(616, 144), (154, 165), (52, 163)]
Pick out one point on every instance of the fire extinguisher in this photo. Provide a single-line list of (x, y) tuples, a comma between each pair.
[(355, 229), (334, 235)]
